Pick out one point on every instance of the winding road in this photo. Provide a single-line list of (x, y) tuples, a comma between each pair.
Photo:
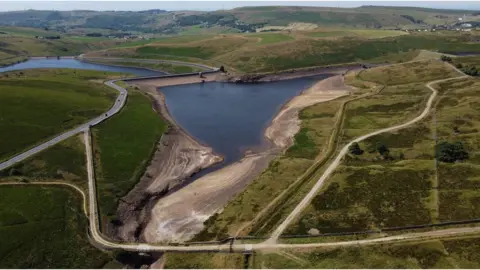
[(272, 241)]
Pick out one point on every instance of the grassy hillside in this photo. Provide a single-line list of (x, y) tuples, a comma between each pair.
[(19, 43), (123, 146), (45, 227), (452, 253), (238, 19), (64, 161), (37, 104), (365, 191), (265, 52)]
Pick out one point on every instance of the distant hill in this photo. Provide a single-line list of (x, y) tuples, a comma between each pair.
[(239, 19)]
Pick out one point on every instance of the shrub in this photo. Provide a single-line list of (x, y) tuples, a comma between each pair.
[(446, 58), (450, 152), (382, 149), (355, 149)]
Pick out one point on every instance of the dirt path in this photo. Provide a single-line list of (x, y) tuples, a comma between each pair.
[(331, 168)]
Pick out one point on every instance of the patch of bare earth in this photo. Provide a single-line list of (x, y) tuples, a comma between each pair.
[(180, 215), (286, 124)]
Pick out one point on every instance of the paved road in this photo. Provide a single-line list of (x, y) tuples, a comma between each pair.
[(119, 103), (330, 169)]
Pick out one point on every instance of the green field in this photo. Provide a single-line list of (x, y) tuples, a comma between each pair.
[(169, 68), (10, 59), (203, 260), (379, 188), (45, 227), (63, 162), (462, 253), (38, 104), (266, 52), (367, 33), (123, 146), (271, 38)]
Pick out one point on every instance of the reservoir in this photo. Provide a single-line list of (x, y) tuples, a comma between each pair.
[(75, 64), (231, 118)]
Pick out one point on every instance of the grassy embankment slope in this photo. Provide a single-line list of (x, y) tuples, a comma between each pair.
[(165, 67), (455, 253), (45, 227), (265, 52), (38, 104), (42, 103), (32, 216), (63, 162), (394, 182), (123, 146)]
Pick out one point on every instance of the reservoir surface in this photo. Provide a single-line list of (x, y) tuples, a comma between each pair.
[(231, 118), (73, 63)]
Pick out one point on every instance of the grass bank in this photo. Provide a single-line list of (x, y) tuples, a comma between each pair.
[(461, 253), (169, 68), (267, 52), (391, 182), (123, 146), (64, 162), (38, 104), (45, 227)]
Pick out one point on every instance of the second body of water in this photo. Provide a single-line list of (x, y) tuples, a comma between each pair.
[(75, 64)]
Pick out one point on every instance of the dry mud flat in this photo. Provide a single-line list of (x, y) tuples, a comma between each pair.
[(179, 216)]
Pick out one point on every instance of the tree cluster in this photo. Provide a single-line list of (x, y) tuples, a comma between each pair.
[(450, 152), (445, 58), (94, 35), (469, 70), (355, 149)]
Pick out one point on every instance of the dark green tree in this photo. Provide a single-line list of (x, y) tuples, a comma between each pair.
[(355, 149), (382, 149), (450, 152), (446, 58)]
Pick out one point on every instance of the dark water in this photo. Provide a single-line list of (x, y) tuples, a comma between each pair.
[(231, 118), (72, 63)]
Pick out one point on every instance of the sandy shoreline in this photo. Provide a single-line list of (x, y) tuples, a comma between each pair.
[(179, 216)]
